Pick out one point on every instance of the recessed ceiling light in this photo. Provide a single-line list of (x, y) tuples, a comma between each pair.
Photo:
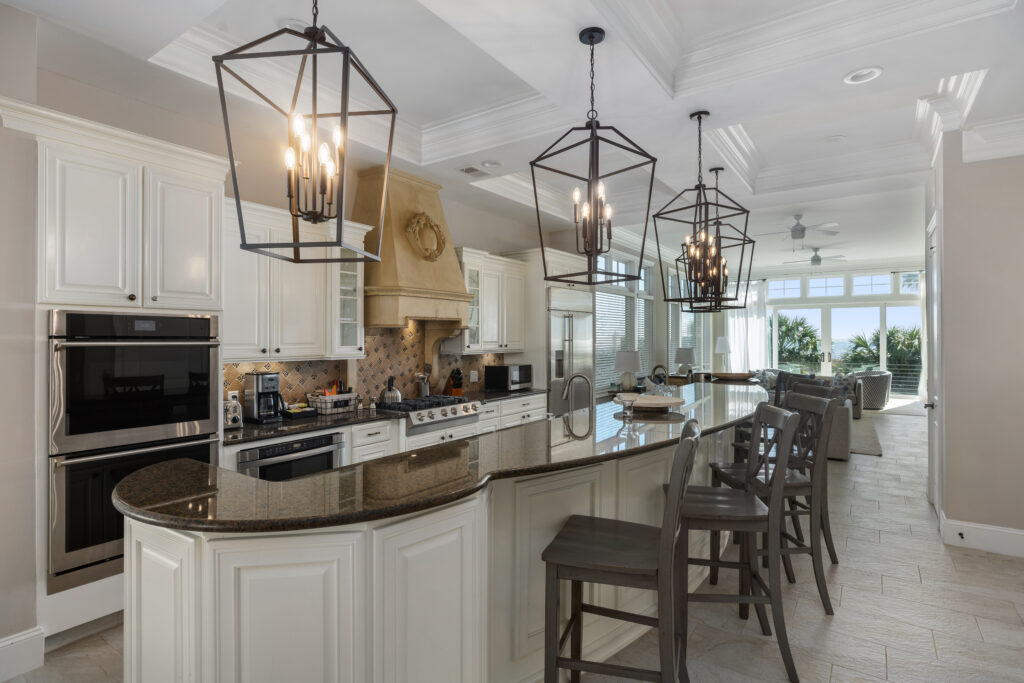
[(490, 163), (858, 76), (833, 139)]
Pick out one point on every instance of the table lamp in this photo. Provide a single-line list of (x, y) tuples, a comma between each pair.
[(628, 363), (723, 348), (685, 357)]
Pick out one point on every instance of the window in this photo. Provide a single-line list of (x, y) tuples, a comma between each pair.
[(685, 330), (826, 286), (783, 289), (617, 266), (872, 284), (910, 283), (623, 319)]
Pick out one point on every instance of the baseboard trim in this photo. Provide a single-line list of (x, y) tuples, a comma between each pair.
[(993, 539), (21, 652)]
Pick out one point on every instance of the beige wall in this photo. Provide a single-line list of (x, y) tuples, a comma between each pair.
[(17, 294), (982, 328)]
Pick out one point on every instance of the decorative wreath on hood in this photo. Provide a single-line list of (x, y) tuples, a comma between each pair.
[(414, 231)]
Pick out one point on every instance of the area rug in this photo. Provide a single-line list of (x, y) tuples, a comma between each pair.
[(903, 407), (864, 438)]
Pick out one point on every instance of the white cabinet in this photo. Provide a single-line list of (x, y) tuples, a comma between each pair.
[(519, 411), (118, 231), (182, 240), (497, 310), (281, 310), (90, 241), (428, 609)]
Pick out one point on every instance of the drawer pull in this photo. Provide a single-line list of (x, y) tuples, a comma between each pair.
[(373, 434)]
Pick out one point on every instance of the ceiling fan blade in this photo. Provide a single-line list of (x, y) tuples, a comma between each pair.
[(833, 258), (824, 231), (802, 260), (769, 234), (823, 226)]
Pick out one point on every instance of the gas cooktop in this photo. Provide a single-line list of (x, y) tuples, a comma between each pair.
[(433, 409)]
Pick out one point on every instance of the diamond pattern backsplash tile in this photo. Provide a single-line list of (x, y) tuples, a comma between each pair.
[(398, 352), (297, 377)]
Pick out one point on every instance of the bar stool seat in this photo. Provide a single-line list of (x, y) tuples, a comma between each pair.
[(710, 502), (606, 545)]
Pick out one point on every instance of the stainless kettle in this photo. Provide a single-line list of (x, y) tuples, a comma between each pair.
[(391, 394)]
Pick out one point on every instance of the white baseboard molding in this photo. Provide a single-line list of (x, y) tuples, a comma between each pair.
[(21, 652), (992, 539)]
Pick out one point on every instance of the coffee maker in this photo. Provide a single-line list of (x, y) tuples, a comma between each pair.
[(263, 402)]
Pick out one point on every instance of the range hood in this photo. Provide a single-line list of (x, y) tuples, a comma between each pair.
[(418, 277)]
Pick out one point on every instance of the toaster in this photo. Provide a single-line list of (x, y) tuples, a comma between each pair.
[(232, 414)]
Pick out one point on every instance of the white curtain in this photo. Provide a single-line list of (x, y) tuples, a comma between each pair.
[(747, 329)]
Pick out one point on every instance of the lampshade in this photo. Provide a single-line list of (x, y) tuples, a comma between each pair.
[(722, 345), (627, 361), (684, 354)]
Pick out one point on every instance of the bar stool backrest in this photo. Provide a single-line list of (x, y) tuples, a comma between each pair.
[(813, 430), (773, 431), (682, 467), (787, 380), (819, 390)]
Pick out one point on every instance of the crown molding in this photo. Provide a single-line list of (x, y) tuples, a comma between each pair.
[(946, 109), (501, 125), (875, 162), (994, 140), (191, 55), (652, 33), (518, 187), (736, 148), (50, 124), (828, 29)]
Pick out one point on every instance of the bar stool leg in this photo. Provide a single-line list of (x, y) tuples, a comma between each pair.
[(798, 530), (775, 586), (716, 553), (744, 574), (551, 625), (826, 527), (819, 570), (576, 637), (681, 597), (755, 573)]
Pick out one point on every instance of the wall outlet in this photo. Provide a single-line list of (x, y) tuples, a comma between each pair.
[(474, 376), (232, 395)]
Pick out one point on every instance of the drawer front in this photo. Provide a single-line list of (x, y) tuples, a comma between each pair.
[(372, 432), (521, 418), (535, 403), (424, 440), (371, 452), (490, 411), (487, 426)]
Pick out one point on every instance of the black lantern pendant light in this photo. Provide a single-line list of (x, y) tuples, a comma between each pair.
[(712, 272), (314, 161), (577, 154)]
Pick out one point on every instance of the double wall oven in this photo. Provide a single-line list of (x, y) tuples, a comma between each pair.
[(126, 391)]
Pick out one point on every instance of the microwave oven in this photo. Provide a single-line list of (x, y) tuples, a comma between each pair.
[(508, 377)]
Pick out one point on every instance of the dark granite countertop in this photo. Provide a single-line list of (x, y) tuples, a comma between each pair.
[(186, 494), (485, 395), (258, 432)]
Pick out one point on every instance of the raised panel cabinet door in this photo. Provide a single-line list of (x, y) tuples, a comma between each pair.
[(182, 240), (297, 295), (514, 296), (288, 608), (161, 612), (490, 309), (245, 323), (90, 243), (429, 616)]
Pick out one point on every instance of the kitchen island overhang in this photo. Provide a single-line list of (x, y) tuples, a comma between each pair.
[(419, 566)]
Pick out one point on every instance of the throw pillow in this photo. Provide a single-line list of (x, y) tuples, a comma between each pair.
[(847, 384)]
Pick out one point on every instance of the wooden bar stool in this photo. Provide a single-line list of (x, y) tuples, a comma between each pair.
[(612, 552), (745, 514)]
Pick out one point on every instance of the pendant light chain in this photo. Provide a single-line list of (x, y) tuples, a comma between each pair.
[(316, 12), (700, 150), (592, 114)]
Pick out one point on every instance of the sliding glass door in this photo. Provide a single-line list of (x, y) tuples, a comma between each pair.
[(854, 339), (797, 337)]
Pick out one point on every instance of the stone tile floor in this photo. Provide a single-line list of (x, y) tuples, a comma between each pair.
[(908, 608)]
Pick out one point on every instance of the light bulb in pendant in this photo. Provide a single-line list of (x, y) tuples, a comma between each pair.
[(306, 142), (576, 195), (298, 124), (586, 210), (337, 137), (324, 154), (600, 190), (608, 212), (330, 168), (289, 159)]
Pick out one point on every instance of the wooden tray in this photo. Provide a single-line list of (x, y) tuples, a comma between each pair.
[(650, 402), (733, 376)]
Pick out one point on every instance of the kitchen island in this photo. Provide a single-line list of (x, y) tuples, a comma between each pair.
[(422, 566)]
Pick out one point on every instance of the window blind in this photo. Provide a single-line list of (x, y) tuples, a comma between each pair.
[(613, 317)]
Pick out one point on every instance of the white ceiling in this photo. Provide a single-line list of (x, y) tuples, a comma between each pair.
[(475, 81)]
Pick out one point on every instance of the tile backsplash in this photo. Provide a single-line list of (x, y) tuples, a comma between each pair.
[(399, 352), (297, 377)]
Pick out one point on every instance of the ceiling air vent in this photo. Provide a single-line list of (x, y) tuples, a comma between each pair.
[(474, 172)]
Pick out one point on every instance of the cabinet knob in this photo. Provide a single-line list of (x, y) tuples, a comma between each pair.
[(360, 348), (277, 350), (154, 298), (263, 350), (132, 297)]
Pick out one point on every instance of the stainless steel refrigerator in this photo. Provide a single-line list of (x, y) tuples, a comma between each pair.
[(570, 347)]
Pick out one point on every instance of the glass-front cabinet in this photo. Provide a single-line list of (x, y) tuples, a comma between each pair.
[(347, 310), (472, 333), (496, 311)]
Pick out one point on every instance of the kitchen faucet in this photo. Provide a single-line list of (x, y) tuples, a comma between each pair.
[(565, 397)]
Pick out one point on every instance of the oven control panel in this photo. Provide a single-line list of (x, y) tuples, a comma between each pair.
[(440, 414)]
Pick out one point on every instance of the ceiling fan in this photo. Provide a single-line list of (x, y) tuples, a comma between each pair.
[(817, 259), (798, 230)]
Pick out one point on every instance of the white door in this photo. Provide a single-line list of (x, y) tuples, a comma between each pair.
[(490, 309), (245, 323), (346, 314), (514, 295), (182, 240), (297, 292), (90, 247), (936, 423)]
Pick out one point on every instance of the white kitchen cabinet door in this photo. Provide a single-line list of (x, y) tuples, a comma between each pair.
[(429, 606), (182, 240), (346, 314), (90, 205), (288, 608), (514, 300), (424, 440), (371, 452), (490, 309), (297, 294), (245, 323)]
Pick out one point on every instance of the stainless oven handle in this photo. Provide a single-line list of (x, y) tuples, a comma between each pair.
[(58, 345), (249, 464), (68, 462)]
